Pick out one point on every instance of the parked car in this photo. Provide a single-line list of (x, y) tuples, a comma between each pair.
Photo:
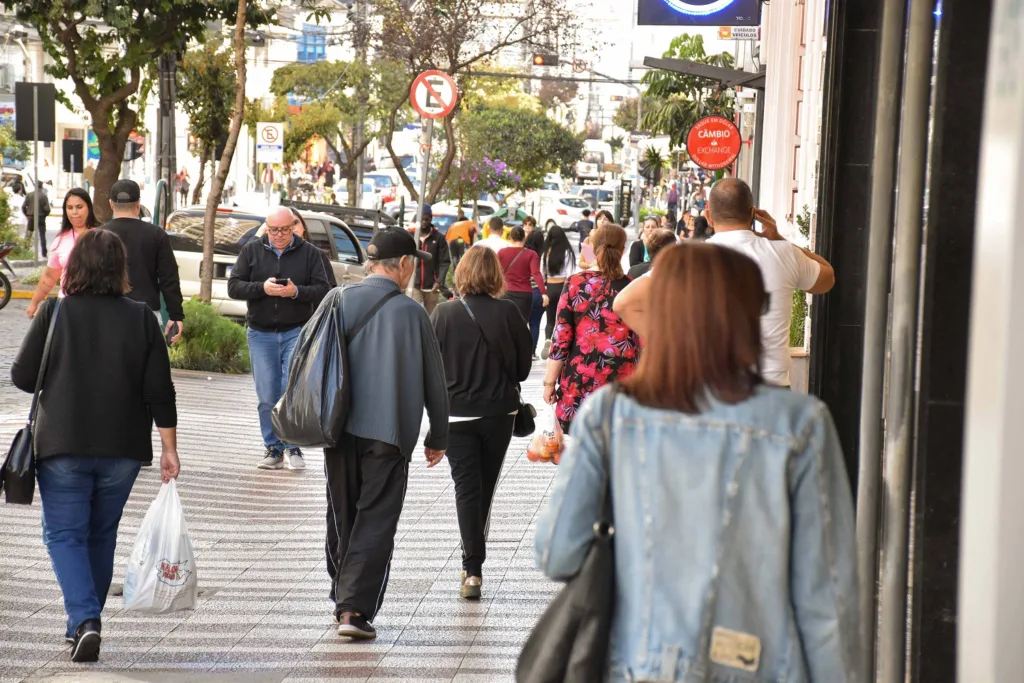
[(233, 229), (562, 210), (384, 184), (599, 197), (371, 199), (509, 218)]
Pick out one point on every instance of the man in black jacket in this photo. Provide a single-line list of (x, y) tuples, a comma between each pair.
[(152, 268), (283, 279), (429, 277)]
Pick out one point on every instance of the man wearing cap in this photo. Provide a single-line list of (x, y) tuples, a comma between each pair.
[(395, 371), (282, 278), (429, 277), (152, 268)]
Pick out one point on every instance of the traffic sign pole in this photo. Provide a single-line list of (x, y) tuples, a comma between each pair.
[(423, 172)]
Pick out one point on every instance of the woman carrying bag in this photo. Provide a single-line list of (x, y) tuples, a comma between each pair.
[(107, 380), (487, 351), (734, 552)]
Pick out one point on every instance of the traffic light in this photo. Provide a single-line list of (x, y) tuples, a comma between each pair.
[(545, 60)]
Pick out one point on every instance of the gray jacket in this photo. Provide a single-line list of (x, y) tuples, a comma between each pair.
[(395, 369)]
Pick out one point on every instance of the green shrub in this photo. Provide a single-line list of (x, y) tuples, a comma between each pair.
[(647, 211), (33, 277), (210, 343), (9, 233), (799, 320)]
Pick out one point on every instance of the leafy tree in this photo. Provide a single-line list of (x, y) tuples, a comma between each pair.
[(336, 96), (107, 49), (206, 88), (625, 115), (616, 143), (457, 36), (653, 164), (527, 141), (674, 102), (555, 93), (12, 148)]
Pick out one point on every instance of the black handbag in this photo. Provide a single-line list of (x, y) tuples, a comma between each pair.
[(18, 476), (570, 642), (526, 422)]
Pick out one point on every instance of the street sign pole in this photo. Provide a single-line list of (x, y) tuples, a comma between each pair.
[(429, 138), (35, 172)]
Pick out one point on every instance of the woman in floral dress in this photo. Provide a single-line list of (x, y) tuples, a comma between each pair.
[(591, 345)]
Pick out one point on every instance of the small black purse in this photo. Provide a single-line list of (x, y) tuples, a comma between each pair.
[(18, 476), (570, 642), (526, 423)]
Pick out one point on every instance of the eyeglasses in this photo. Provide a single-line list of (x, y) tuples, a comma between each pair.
[(279, 231)]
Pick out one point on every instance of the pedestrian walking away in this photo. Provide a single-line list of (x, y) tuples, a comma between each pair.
[(592, 346), (732, 494), (786, 268), (487, 353), (28, 208), (431, 274), (585, 226), (282, 279), (152, 268), (494, 237), (521, 265), (396, 372), (557, 264), (460, 238), (535, 243), (77, 218), (95, 420)]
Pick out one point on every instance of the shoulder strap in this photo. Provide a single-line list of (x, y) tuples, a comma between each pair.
[(43, 363), (369, 314), (607, 415), (483, 334), (516, 258)]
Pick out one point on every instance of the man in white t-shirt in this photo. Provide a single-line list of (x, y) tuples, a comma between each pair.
[(785, 267)]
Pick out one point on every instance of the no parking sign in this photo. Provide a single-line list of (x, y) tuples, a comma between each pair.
[(434, 94)]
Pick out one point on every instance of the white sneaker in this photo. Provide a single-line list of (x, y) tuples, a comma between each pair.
[(295, 460)]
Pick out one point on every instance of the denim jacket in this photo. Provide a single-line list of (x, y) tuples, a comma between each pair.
[(734, 539)]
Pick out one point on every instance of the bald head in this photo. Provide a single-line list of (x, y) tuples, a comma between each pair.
[(731, 203), (280, 217)]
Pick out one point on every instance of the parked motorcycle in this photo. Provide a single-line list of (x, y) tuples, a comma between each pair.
[(5, 283)]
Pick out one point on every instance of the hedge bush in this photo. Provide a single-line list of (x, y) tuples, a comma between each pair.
[(9, 233), (210, 343)]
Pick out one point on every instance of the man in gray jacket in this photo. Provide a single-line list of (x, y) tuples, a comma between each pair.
[(395, 371)]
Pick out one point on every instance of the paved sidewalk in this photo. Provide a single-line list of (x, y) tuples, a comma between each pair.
[(263, 614)]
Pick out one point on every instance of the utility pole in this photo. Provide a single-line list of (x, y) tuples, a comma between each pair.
[(167, 158), (359, 40)]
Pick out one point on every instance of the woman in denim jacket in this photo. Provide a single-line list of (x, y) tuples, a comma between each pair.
[(734, 525)]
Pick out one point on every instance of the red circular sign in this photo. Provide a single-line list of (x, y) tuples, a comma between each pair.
[(713, 143), (433, 94)]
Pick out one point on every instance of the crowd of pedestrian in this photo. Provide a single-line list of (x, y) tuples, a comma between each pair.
[(734, 551)]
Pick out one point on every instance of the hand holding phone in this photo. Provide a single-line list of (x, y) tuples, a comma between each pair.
[(588, 253)]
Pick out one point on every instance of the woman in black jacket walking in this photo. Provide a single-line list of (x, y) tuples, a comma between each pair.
[(107, 381), (487, 352)]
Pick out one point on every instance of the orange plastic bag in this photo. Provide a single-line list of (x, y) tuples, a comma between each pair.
[(547, 445)]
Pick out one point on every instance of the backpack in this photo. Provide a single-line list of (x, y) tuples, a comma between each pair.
[(313, 410)]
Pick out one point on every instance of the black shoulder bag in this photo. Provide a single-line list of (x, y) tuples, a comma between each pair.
[(18, 477), (570, 642), (525, 419)]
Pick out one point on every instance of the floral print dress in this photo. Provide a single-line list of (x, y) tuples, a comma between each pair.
[(592, 339)]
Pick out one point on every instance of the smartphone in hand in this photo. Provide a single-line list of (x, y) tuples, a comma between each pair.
[(282, 281), (588, 253), (169, 335)]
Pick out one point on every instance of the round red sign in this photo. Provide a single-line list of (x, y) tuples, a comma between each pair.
[(713, 143)]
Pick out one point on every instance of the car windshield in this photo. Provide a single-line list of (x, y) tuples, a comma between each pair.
[(575, 202), (230, 232), (442, 223), (593, 157), (382, 182), (605, 196), (550, 186)]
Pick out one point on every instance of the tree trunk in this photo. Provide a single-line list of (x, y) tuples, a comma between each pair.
[(204, 159), (217, 186), (446, 162), (108, 170)]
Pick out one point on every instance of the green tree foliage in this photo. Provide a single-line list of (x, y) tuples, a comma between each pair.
[(108, 50), (674, 102), (625, 115), (528, 141), (12, 148), (206, 92), (210, 342)]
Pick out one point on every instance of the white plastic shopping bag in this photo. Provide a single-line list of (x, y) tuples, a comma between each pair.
[(161, 574)]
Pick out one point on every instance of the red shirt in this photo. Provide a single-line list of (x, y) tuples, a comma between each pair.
[(517, 275)]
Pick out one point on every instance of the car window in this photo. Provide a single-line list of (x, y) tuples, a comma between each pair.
[(316, 234), (442, 223), (574, 202), (381, 181), (347, 248), (484, 210), (230, 232)]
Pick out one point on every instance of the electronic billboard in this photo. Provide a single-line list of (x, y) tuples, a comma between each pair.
[(699, 12)]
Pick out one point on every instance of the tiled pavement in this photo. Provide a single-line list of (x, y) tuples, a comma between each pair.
[(263, 614)]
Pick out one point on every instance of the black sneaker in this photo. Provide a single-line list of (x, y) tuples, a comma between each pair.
[(86, 647), (355, 626)]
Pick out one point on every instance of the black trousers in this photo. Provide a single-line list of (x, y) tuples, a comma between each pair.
[(554, 294), (366, 483), (476, 451), (523, 301)]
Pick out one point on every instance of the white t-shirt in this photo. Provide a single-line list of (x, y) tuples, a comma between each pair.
[(785, 269), (494, 243)]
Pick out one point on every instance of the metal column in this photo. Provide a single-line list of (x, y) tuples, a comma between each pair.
[(899, 415)]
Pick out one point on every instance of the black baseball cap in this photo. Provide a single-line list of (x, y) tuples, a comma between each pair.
[(125, 191), (393, 243)]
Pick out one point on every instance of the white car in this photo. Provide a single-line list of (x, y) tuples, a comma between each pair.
[(372, 197), (562, 210), (485, 209)]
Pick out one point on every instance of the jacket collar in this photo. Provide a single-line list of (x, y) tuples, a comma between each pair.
[(296, 241)]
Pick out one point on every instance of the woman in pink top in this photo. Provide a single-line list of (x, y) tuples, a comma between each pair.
[(78, 217)]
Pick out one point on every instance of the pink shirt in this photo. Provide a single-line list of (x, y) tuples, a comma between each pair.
[(60, 252)]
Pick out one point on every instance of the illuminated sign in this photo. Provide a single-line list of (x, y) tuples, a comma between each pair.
[(699, 12)]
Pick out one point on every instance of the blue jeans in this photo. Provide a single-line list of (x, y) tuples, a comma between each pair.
[(270, 354), (83, 498)]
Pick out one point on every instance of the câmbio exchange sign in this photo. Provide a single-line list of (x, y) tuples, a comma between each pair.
[(713, 143)]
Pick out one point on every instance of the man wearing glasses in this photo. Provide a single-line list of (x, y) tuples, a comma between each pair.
[(283, 279)]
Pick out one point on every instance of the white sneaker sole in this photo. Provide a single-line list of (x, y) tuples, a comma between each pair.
[(296, 467), (278, 466), (348, 631)]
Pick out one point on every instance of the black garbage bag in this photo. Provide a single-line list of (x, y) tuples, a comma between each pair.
[(18, 477), (311, 414)]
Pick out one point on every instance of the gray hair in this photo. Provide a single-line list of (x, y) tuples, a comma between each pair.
[(388, 264)]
